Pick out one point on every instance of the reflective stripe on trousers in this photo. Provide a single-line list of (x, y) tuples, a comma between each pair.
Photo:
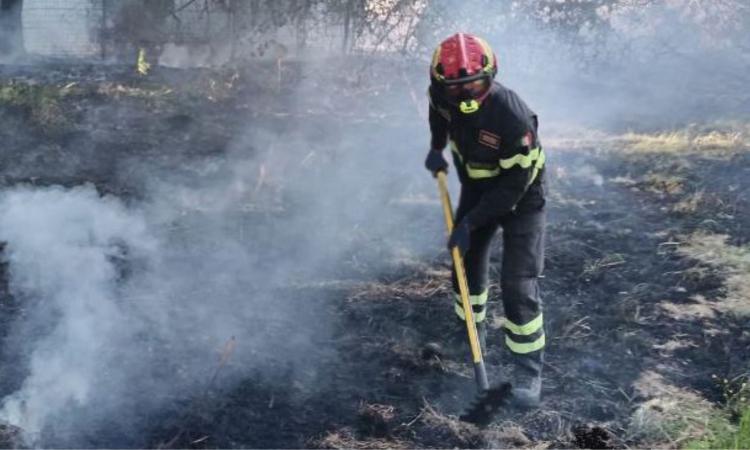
[(525, 338), (478, 306)]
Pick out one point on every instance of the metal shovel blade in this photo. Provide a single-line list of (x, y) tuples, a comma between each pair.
[(487, 405)]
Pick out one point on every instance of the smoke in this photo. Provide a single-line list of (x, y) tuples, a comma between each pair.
[(127, 308), (631, 65), (129, 303), (62, 250)]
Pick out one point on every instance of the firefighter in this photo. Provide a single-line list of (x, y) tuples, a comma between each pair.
[(500, 164)]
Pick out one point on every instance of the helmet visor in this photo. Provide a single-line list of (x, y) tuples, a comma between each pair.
[(471, 90)]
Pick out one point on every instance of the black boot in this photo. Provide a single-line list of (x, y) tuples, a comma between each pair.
[(526, 388)]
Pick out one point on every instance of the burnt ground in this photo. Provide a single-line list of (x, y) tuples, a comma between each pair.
[(612, 266)]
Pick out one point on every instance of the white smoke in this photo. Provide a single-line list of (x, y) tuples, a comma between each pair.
[(62, 248), (128, 306)]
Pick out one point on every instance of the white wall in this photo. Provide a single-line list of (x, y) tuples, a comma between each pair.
[(60, 27)]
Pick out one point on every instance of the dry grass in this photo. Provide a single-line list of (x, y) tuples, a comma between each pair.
[(661, 142), (377, 411), (376, 420), (576, 330), (675, 344), (467, 434), (422, 283), (700, 309), (690, 203), (691, 140), (672, 415), (731, 261), (596, 266), (118, 90), (505, 435), (345, 438), (662, 183), (712, 139)]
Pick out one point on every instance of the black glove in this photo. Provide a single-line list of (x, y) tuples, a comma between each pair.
[(460, 237), (435, 162)]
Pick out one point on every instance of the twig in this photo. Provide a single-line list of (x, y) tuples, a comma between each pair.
[(625, 394), (414, 420)]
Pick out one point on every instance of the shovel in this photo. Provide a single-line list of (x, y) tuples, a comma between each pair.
[(489, 401), (480, 374)]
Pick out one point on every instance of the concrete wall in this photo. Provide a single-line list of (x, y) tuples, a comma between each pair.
[(61, 27)]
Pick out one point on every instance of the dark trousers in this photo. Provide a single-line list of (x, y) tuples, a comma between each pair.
[(522, 264)]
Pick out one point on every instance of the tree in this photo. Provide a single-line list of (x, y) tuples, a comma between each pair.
[(11, 36)]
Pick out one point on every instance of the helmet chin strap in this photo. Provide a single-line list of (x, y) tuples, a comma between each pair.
[(472, 105), (468, 106)]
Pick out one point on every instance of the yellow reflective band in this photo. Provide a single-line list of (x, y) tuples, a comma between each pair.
[(537, 167), (481, 173), (525, 330), (542, 159), (476, 300), (536, 157), (524, 161), (478, 316), (468, 107), (435, 61), (489, 54), (142, 66), (524, 347)]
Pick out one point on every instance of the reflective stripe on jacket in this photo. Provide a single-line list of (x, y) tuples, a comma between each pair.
[(496, 149)]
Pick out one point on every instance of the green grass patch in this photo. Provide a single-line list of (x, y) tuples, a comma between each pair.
[(673, 416), (726, 437), (43, 103)]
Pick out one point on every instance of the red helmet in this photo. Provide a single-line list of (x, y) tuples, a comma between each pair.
[(462, 70)]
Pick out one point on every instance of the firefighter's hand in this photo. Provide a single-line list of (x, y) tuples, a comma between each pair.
[(435, 162), (460, 237)]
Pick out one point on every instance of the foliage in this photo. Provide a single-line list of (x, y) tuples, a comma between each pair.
[(41, 102), (738, 438), (254, 24)]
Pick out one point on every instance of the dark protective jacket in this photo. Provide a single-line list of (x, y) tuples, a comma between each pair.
[(496, 151)]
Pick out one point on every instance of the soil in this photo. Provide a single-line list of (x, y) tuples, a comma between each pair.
[(611, 266)]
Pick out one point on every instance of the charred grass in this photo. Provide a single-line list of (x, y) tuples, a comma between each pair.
[(644, 288), (698, 183)]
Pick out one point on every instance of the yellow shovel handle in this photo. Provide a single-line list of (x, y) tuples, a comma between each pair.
[(463, 286)]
